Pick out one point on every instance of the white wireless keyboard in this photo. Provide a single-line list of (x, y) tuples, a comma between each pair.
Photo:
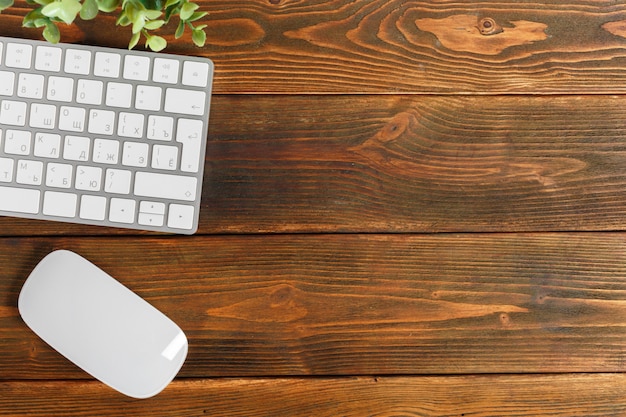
[(102, 136)]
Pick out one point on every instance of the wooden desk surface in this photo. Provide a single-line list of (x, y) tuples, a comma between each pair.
[(400, 216)]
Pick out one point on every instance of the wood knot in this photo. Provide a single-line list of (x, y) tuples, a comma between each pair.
[(282, 296), (279, 304), (395, 127), (487, 26)]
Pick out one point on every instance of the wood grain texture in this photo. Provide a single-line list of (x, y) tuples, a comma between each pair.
[(360, 153), (407, 164), (355, 304), (524, 396), (392, 46)]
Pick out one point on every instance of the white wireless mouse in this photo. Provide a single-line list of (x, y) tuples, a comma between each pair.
[(102, 326)]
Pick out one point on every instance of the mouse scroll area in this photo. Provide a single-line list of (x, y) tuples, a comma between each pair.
[(102, 326)]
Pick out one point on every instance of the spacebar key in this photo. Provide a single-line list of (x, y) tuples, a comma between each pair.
[(19, 200), (174, 187)]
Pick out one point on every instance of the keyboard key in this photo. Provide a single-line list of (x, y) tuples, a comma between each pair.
[(148, 98), (151, 213), (30, 86), (72, 119), (152, 207), (77, 61), (119, 95), (130, 125), (107, 64), (48, 58), (7, 81), (164, 157), (59, 175), (47, 145), (89, 92), (195, 74), (184, 101), (136, 67), (101, 121), (135, 154), (122, 210), (18, 55), (180, 217), (189, 133), (17, 142), (88, 178), (117, 181), (76, 148), (19, 200), (13, 113), (59, 204), (29, 172), (43, 116), (106, 151), (165, 70), (6, 169), (93, 207), (149, 219), (60, 89), (160, 128), (174, 187)]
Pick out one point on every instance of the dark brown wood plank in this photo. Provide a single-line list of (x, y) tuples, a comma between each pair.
[(411, 164), (355, 304), (407, 164), (497, 395), (391, 46)]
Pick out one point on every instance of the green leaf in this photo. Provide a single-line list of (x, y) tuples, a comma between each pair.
[(5, 4), (108, 6), (152, 14), (152, 4), (187, 10), (65, 10), (52, 9), (198, 37), (169, 3), (34, 19), (196, 16), (138, 20), (123, 20), (89, 10), (154, 24), (128, 10), (169, 12), (70, 9), (138, 24), (134, 40), (51, 33), (156, 43), (180, 29)]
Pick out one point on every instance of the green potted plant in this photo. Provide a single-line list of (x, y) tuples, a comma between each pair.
[(144, 17)]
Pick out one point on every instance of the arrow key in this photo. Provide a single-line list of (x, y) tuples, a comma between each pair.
[(148, 219), (151, 213), (122, 210), (180, 217)]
